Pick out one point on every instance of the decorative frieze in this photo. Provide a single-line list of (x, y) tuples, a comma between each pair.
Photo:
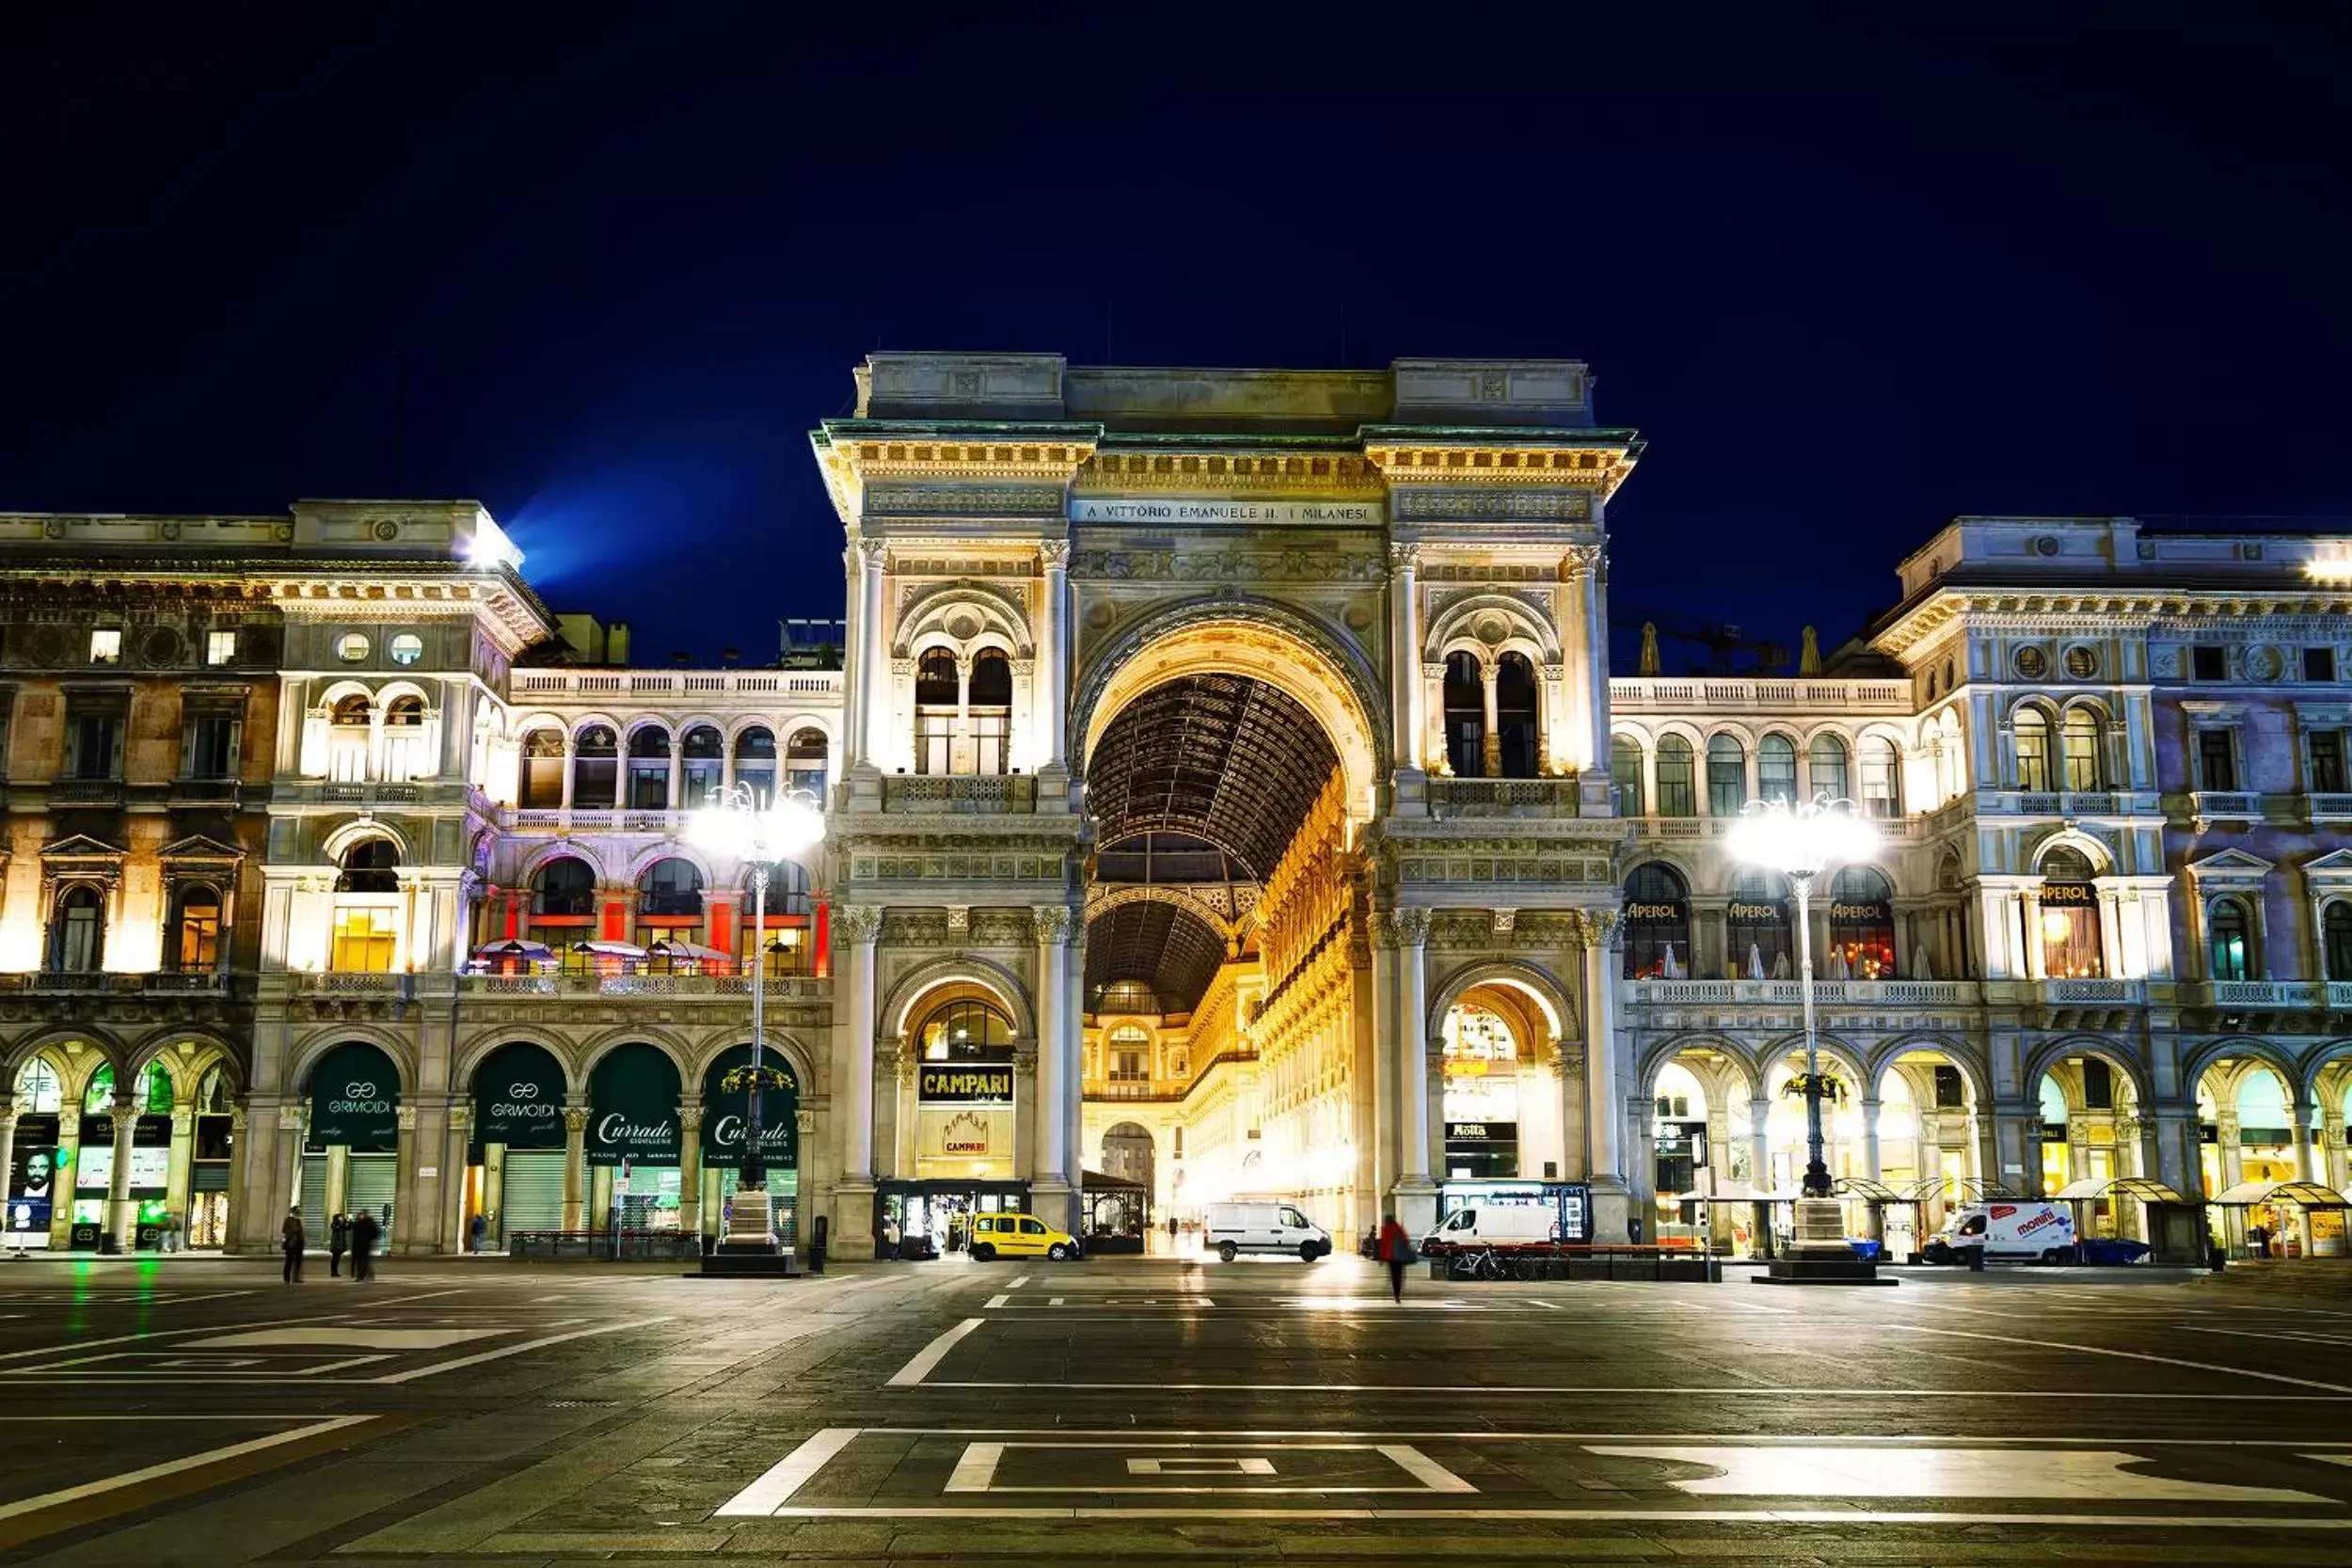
[(1212, 565), (978, 501)]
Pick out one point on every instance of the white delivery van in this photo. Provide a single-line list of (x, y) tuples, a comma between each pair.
[(1234, 1228), (2018, 1228), (1494, 1225)]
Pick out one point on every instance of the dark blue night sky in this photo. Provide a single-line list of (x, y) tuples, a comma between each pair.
[(1849, 278)]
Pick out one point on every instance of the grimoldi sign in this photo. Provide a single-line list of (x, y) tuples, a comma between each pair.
[(1216, 512), (354, 1101), (970, 1083)]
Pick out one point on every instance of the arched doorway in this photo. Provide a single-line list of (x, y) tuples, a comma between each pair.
[(514, 1156), (1119, 1188), (2087, 1116), (36, 1207), (726, 1122), (634, 1147), (351, 1157), (1928, 1132)]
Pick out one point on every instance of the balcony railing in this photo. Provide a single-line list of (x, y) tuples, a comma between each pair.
[(2312, 994), (1883, 993), (106, 983), (2126, 993), (780, 987), (976, 794), (1896, 828), (1504, 797), (1651, 693), (2211, 805), (2330, 808), (86, 792), (799, 683)]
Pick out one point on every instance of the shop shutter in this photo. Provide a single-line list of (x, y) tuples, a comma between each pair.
[(534, 1198), (314, 1199), (369, 1185), (211, 1176)]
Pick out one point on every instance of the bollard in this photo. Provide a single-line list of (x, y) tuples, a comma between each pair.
[(817, 1246)]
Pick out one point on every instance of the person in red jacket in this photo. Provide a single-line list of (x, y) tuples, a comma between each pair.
[(1396, 1250)]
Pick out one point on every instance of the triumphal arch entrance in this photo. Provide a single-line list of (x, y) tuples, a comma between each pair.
[(1226, 809)]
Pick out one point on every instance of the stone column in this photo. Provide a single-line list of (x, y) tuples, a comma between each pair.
[(1491, 739), (857, 924), (1760, 1142), (1593, 579), (2301, 1117), (1050, 699), (457, 1124), (121, 1232), (180, 1179), (1053, 1195), (285, 1189), (1416, 1192), (1876, 1217), (1602, 937), (575, 1166), (7, 1151), (873, 658), (1405, 694), (413, 1196), (690, 1170)]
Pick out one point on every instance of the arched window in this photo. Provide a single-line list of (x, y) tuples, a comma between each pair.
[(78, 940), (348, 728), (1861, 925), (38, 1089), (990, 709), (213, 1097), (2337, 929), (938, 690), (2033, 748), (193, 946), (756, 761), (1756, 928), (1678, 795), (2232, 940), (2083, 740), (1881, 778), (596, 768), (1827, 756), (648, 769), (543, 770), (1656, 923), (407, 754), (1624, 772), (2070, 917), (1516, 716), (967, 1029), (1464, 716), (1130, 1053), (1726, 776), (98, 1095), (804, 762), (563, 890), (365, 936), (670, 889), (703, 755), (1481, 1096), (789, 946), (1776, 768)]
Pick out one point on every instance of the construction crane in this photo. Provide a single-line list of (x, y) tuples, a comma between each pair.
[(1729, 650)]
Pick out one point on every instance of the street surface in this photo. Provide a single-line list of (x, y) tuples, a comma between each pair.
[(1155, 1410)]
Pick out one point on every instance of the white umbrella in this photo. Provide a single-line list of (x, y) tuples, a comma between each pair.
[(1755, 961), (514, 952), (610, 950), (1669, 966)]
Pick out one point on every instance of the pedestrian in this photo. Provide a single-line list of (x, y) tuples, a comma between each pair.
[(363, 1234), (890, 1238), (166, 1233), (292, 1241), (1171, 1230), (476, 1229), (1396, 1250), (337, 1241)]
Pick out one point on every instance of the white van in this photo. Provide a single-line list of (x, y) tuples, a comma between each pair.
[(1494, 1225), (1234, 1228), (2014, 1229)]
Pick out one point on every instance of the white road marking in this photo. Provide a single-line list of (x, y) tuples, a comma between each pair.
[(1834, 1470), (1425, 1469), (174, 1466), (1473, 1390), (1016, 1282), (361, 1335), (2305, 1337), (1485, 1435), (774, 1489), (994, 1302), (976, 1469), (1600, 1515), (1549, 1306), (502, 1353), (2134, 1355), (932, 1355), (1200, 1464)]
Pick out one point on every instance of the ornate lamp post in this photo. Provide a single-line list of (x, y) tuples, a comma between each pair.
[(738, 823), (1799, 840)]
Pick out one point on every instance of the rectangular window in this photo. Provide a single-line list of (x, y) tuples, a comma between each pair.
[(2326, 762), (211, 747), (220, 648), (1726, 781), (199, 938), (106, 645), (364, 939), (934, 730), (94, 746), (2207, 662), (1127, 1068), (2217, 761), (2319, 664)]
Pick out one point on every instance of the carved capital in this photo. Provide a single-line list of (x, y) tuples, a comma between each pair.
[(289, 1119), (1054, 555), (689, 1118), (407, 1116), (460, 1116), (958, 922), (1383, 931), (1412, 925), (873, 554), (1579, 562), (857, 922), (125, 1105), (1404, 557), (1053, 924), (1505, 920), (1602, 928), (576, 1119), (1433, 669), (904, 668)]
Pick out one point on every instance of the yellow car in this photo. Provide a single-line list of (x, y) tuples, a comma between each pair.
[(1019, 1236)]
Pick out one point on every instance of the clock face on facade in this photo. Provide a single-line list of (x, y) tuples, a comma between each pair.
[(2032, 663), (2081, 663)]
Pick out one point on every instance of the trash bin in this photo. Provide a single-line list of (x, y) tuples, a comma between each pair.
[(817, 1245)]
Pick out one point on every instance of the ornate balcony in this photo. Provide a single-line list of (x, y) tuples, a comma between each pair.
[(1788, 993), (1504, 797), (2267, 995), (794, 988), (960, 794), (2209, 805)]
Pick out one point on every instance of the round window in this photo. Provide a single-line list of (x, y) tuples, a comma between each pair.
[(2032, 663), (351, 647), (2081, 663), (407, 648)]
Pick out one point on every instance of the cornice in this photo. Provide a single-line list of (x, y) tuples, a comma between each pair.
[(1209, 473), (2093, 610)]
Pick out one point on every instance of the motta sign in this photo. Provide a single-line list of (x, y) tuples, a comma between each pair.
[(1225, 514), (965, 1081), (1482, 1131)]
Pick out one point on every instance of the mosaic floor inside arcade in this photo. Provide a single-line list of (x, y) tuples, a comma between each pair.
[(1147, 1410)]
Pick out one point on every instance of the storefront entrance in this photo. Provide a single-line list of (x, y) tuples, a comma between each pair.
[(350, 1164), (941, 1211), (726, 1116), (517, 1146), (634, 1143)]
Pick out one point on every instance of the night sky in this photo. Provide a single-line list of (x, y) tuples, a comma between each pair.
[(1848, 280)]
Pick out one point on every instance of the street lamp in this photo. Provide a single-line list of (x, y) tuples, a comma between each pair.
[(739, 824), (1799, 840)]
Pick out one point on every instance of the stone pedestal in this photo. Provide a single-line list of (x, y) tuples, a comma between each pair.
[(1818, 1253), (748, 1247)]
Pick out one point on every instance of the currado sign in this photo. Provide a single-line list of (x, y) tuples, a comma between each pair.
[(727, 1112), (354, 1101), (632, 1109), (965, 1083)]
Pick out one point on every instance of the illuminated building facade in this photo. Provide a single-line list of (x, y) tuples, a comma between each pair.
[(1227, 796)]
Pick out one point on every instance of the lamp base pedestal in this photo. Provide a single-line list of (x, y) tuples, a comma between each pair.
[(1819, 1254), (749, 1249)]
